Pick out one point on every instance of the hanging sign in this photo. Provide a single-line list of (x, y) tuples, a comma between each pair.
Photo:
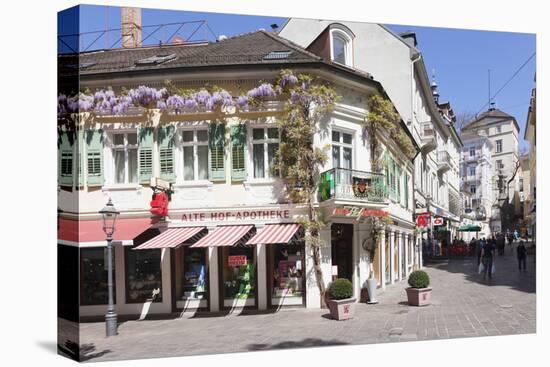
[(361, 187), (422, 220), (438, 221), (236, 261)]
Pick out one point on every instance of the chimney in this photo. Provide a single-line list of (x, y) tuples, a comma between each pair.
[(131, 27)]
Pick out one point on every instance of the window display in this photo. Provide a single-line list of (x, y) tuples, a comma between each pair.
[(288, 270), (143, 275), (93, 277), (195, 272), (239, 267)]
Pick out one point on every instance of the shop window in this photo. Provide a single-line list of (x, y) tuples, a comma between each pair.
[(238, 272), (93, 276), (265, 144), (195, 154), (143, 275), (125, 157), (195, 274), (288, 272)]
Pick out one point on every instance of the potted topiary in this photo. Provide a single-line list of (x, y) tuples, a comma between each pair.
[(341, 302), (418, 294)]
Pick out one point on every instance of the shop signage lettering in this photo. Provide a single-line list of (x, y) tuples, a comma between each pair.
[(236, 261), (236, 215), (353, 211)]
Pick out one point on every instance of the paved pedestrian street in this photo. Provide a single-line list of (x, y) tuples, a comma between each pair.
[(463, 305)]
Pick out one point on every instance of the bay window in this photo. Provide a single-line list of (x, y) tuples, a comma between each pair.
[(195, 154), (265, 144)]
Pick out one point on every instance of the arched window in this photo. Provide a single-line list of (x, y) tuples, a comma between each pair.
[(341, 47)]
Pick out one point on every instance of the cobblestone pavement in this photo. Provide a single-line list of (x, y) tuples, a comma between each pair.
[(463, 305)]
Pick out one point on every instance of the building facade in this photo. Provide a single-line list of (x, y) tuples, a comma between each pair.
[(476, 175), (399, 66), (503, 131), (232, 238), (531, 137)]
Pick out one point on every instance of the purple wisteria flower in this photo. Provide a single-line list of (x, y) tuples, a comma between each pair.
[(122, 105), (176, 102), (85, 103), (288, 80), (265, 90), (146, 97), (242, 103)]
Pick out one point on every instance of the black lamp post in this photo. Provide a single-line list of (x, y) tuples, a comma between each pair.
[(109, 214)]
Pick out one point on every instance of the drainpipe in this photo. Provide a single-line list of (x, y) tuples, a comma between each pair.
[(419, 252)]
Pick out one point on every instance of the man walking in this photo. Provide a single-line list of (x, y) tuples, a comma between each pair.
[(522, 256), (487, 254)]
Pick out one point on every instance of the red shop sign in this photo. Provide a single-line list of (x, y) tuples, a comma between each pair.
[(236, 260), (422, 220)]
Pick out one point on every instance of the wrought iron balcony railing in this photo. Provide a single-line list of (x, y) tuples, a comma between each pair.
[(348, 184)]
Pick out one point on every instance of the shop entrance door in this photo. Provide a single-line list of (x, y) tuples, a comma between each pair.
[(342, 249)]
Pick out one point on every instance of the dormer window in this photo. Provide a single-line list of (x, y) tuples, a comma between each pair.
[(341, 47)]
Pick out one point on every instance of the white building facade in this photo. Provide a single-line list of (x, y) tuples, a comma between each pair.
[(395, 61), (211, 252), (502, 130)]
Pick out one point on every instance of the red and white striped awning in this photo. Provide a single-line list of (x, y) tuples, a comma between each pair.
[(224, 236), (172, 237), (275, 233)]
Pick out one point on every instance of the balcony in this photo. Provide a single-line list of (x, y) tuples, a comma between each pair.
[(352, 185), (443, 162), (427, 135)]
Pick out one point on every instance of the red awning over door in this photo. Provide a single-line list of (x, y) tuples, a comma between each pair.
[(172, 237), (275, 233)]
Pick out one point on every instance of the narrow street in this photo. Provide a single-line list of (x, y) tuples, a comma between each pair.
[(463, 305)]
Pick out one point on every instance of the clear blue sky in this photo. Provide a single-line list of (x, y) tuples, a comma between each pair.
[(461, 58)]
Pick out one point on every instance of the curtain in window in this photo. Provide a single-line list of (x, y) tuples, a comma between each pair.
[(188, 164), (202, 157), (258, 157), (119, 166)]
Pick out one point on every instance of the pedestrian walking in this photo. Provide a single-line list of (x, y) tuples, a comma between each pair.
[(510, 241), (479, 248), (522, 256), (487, 255)]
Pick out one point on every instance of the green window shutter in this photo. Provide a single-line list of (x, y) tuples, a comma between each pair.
[(398, 183), (166, 153), (406, 191), (238, 147), (94, 157), (216, 139), (145, 154), (66, 163)]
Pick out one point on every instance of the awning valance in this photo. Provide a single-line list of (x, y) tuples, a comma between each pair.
[(225, 236), (275, 233), (172, 237)]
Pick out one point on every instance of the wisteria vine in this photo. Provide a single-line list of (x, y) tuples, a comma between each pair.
[(106, 102)]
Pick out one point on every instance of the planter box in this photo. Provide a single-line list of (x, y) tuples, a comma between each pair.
[(342, 309), (419, 296)]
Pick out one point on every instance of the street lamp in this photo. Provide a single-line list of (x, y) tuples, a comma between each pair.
[(109, 214)]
